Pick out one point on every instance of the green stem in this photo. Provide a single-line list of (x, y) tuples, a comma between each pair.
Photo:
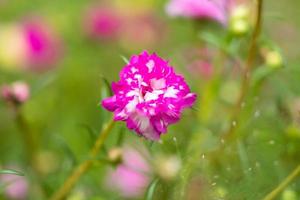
[(28, 139), (85, 165), (246, 73), (283, 184)]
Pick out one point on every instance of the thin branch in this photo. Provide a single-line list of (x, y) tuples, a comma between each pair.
[(246, 73), (84, 166)]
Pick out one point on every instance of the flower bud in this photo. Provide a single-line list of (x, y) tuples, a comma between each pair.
[(289, 194), (230, 92), (16, 186), (46, 162), (168, 167), (273, 59), (115, 155), (18, 92), (239, 20)]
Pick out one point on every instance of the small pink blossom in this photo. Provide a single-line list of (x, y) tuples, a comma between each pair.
[(17, 186), (18, 92), (43, 47), (204, 68), (149, 96), (132, 176), (102, 22), (210, 9), (143, 30)]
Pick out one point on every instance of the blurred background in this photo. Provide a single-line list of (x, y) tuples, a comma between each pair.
[(57, 56)]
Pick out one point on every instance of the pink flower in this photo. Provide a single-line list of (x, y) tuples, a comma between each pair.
[(210, 9), (149, 96), (31, 45), (132, 176), (17, 186), (102, 22), (42, 45), (18, 92), (143, 30)]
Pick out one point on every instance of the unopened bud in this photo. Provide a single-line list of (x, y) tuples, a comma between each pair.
[(115, 155), (289, 194), (168, 167), (273, 59)]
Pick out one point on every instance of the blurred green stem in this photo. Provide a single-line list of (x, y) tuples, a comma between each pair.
[(283, 184), (246, 73), (28, 139), (85, 165)]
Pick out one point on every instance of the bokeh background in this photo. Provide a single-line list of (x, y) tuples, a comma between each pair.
[(72, 58)]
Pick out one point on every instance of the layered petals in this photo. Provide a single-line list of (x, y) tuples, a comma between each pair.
[(149, 96)]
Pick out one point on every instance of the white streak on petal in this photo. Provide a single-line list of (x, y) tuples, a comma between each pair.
[(171, 92), (133, 69), (153, 95), (158, 84), (150, 65)]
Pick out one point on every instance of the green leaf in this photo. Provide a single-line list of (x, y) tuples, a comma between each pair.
[(151, 189), (106, 88), (91, 131), (260, 74), (10, 171), (124, 59), (212, 39)]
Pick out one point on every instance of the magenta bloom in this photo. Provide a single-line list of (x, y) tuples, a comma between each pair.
[(102, 23), (17, 186), (149, 96), (42, 45), (17, 92), (132, 176), (210, 9)]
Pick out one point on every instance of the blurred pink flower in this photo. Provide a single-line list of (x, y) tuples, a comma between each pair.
[(210, 9), (31, 45), (132, 176), (149, 96), (202, 68), (18, 92), (16, 186), (43, 48), (143, 30), (102, 22)]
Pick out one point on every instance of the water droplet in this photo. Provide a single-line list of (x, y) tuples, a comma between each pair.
[(257, 164), (216, 176), (257, 114), (233, 123), (243, 104)]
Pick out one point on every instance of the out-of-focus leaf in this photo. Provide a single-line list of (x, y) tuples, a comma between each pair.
[(10, 171), (124, 59), (43, 82), (92, 132), (151, 189), (212, 39), (121, 136), (260, 74), (62, 143), (105, 88)]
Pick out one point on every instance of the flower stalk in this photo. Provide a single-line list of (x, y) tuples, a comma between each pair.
[(295, 173), (85, 165), (246, 73)]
